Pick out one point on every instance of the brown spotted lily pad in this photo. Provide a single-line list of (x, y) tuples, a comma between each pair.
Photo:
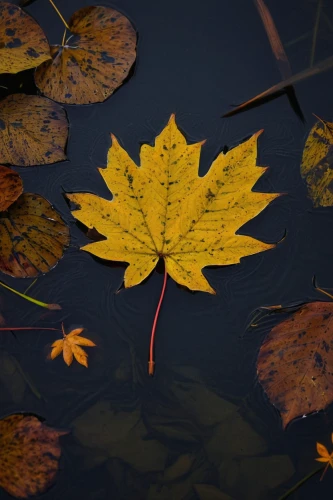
[(295, 362), (23, 44), (11, 187), (33, 130), (29, 455), (317, 164), (33, 237), (93, 62)]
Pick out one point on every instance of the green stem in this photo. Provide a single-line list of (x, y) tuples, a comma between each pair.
[(53, 307), (302, 481)]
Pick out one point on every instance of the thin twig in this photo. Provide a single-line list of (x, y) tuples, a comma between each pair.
[(274, 39), (276, 89), (324, 291), (59, 14), (315, 32), (302, 481), (53, 307), (64, 38), (17, 328), (31, 285)]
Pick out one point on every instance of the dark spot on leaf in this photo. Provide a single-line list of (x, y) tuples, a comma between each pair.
[(32, 53), (318, 360), (106, 58), (15, 43)]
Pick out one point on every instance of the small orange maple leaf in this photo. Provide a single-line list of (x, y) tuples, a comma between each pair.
[(70, 346), (324, 456)]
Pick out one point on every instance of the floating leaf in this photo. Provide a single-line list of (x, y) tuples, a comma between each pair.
[(295, 362), (29, 454), (11, 187), (33, 130), (70, 346), (23, 44), (94, 61), (32, 237), (164, 210), (324, 456), (317, 164)]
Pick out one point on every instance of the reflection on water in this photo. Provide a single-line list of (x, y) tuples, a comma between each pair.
[(201, 428)]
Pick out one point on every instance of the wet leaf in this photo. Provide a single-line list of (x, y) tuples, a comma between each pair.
[(210, 492), (317, 164), (255, 478), (179, 468), (121, 435), (29, 454), (11, 187), (33, 130), (295, 362), (10, 377), (94, 61), (33, 237), (164, 210), (23, 44), (69, 345)]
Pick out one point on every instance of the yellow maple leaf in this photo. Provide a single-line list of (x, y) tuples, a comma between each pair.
[(163, 209), (69, 345)]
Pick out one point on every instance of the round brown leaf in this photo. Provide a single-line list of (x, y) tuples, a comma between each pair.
[(33, 130), (94, 61), (295, 362), (11, 187), (23, 44), (29, 455), (32, 237)]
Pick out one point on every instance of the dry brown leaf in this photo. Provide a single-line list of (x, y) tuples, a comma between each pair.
[(70, 346), (33, 130), (33, 237), (295, 362), (29, 455), (94, 61), (23, 44), (11, 187)]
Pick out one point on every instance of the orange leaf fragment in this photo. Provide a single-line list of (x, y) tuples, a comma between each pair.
[(29, 455), (69, 345), (11, 186), (295, 362)]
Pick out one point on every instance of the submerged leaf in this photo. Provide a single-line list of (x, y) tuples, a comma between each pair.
[(94, 61), (11, 186), (32, 237), (164, 210), (23, 44), (33, 130), (29, 454), (317, 164), (295, 362)]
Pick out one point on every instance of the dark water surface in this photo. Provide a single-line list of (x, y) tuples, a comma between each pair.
[(203, 418)]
